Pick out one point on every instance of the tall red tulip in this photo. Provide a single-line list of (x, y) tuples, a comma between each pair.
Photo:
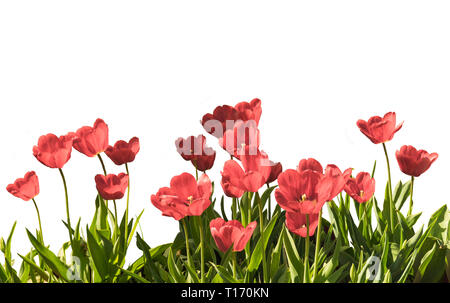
[(25, 188), (123, 152), (223, 117), (112, 187), (52, 151), (91, 141), (296, 223), (414, 162), (236, 181), (378, 129), (361, 188), (230, 233), (194, 149), (184, 197)]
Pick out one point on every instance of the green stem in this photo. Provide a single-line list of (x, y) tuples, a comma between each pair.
[(306, 269), (102, 163), (128, 201), (316, 253), (269, 207), (67, 206), (261, 227), (411, 197), (233, 209), (186, 236), (39, 219), (234, 265), (391, 202), (202, 251)]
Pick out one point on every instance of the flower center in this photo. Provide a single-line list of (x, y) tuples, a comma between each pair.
[(361, 193), (190, 199)]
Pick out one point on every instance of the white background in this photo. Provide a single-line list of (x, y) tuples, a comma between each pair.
[(152, 69)]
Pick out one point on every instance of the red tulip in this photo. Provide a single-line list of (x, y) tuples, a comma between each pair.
[(236, 181), (52, 151), (123, 152), (112, 187), (91, 141), (361, 188), (230, 233), (244, 134), (380, 130), (307, 189), (296, 223), (25, 188), (414, 162), (194, 149), (223, 117), (185, 197), (275, 171)]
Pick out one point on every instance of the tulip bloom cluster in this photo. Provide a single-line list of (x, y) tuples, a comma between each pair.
[(258, 238)]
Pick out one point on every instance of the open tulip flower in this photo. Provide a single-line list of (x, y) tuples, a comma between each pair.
[(53, 151), (378, 129), (91, 141), (184, 197), (275, 170), (236, 181), (231, 233), (194, 149), (361, 188), (306, 189), (123, 152), (25, 188), (112, 187), (223, 117), (413, 162)]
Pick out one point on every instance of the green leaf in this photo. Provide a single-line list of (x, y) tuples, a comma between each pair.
[(173, 269), (224, 274), (35, 267), (133, 275), (98, 255), (294, 261), (50, 258), (256, 257)]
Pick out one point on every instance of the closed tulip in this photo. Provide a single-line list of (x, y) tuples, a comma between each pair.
[(53, 151), (194, 149), (91, 141), (123, 152), (25, 188), (112, 187), (414, 162), (231, 233)]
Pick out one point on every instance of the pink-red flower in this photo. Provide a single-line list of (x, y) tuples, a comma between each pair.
[(296, 223), (361, 188), (25, 188), (380, 130), (123, 152), (231, 233), (112, 187), (244, 137), (223, 117), (275, 171), (236, 181), (184, 197), (91, 141), (52, 151), (194, 149), (414, 162), (307, 189)]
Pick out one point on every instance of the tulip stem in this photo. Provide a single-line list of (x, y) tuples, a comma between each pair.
[(391, 212), (128, 201), (233, 209), (202, 251), (316, 253), (306, 269), (234, 265), (39, 219), (261, 226), (411, 197), (67, 206), (269, 207), (186, 236), (102, 163)]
